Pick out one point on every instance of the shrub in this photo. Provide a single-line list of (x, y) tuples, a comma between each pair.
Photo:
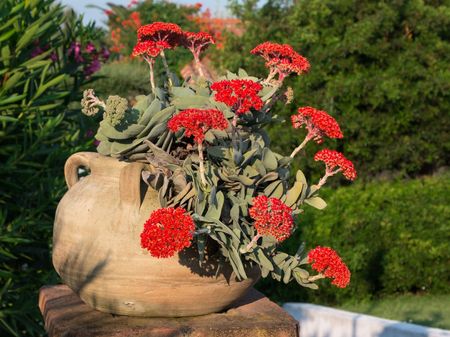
[(381, 67), (394, 236), (126, 79), (40, 77)]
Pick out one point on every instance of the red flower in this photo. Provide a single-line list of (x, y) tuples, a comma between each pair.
[(196, 122), (282, 58), (317, 122), (167, 231), (147, 48), (240, 95), (272, 217), (197, 42), (325, 260), (168, 35), (333, 159)]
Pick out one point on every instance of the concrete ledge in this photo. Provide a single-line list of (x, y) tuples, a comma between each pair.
[(321, 321)]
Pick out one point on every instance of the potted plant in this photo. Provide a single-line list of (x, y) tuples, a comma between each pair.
[(186, 204)]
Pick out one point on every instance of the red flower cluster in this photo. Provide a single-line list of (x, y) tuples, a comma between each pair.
[(168, 33), (317, 122), (167, 231), (240, 95), (155, 37), (147, 48), (134, 21), (161, 35), (325, 260), (272, 217), (282, 58), (197, 42), (116, 40), (196, 122), (333, 159)]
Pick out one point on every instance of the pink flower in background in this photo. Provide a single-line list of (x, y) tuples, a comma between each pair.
[(75, 51), (104, 53), (90, 48), (37, 51), (132, 3), (93, 67)]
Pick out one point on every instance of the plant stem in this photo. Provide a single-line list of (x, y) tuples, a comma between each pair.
[(152, 75), (199, 67), (201, 231), (166, 66), (272, 100), (251, 243), (270, 76), (323, 180), (301, 146), (202, 165), (234, 121), (316, 277)]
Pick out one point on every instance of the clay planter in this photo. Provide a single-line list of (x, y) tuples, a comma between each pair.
[(97, 253)]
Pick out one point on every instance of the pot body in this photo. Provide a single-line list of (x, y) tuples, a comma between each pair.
[(97, 252)]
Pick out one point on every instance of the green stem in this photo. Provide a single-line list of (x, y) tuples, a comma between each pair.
[(301, 146), (202, 165), (166, 66)]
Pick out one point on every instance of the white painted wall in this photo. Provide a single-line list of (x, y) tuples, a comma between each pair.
[(320, 321)]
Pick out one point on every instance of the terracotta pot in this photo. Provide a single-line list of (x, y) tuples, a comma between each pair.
[(97, 252)]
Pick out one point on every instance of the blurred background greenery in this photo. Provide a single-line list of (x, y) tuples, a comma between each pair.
[(381, 68)]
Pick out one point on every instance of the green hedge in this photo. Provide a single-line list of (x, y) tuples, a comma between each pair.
[(126, 79), (394, 236)]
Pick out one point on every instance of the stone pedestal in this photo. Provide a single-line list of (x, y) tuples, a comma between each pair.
[(66, 315)]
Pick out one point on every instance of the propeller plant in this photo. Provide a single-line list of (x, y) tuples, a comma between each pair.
[(206, 152)]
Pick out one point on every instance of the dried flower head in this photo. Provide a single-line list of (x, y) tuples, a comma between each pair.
[(282, 58), (272, 217), (167, 231), (239, 95), (289, 95), (196, 122), (334, 159), (115, 110), (167, 35), (318, 123), (197, 42), (89, 108), (325, 260)]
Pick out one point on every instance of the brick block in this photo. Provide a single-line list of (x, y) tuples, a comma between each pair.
[(65, 315)]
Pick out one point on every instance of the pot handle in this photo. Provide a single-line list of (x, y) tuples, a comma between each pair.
[(130, 185), (74, 162)]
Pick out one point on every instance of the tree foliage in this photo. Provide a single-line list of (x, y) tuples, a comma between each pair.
[(380, 67)]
